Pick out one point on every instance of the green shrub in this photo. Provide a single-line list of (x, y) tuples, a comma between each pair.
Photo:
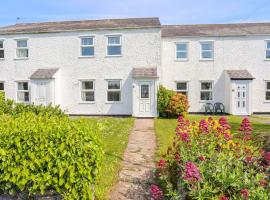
[(170, 103), (40, 153), (6, 106)]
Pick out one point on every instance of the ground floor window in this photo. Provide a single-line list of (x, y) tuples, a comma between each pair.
[(267, 94), (206, 91), (182, 87), (23, 92), (114, 91), (87, 91)]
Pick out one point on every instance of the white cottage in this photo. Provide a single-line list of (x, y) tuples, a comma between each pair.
[(114, 67)]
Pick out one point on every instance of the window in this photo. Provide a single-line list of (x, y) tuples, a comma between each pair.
[(87, 47), (22, 49), (2, 51), (181, 51), (206, 91), (87, 91), (207, 51), (114, 91), (114, 46), (2, 87), (23, 92), (268, 50), (182, 87), (267, 94)]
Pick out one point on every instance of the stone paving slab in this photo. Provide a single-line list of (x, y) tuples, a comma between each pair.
[(138, 164)]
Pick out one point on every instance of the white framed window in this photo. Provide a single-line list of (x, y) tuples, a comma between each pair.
[(267, 92), (207, 50), (206, 93), (2, 51), (182, 87), (23, 92), (267, 51), (114, 46), (114, 91), (181, 51), (87, 46), (22, 48), (87, 91)]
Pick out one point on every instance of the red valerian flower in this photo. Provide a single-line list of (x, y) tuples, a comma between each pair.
[(203, 126), (244, 193), (192, 173), (248, 159), (156, 192), (227, 136), (162, 164), (201, 158), (224, 123), (266, 156), (246, 127), (263, 183), (184, 137), (223, 197)]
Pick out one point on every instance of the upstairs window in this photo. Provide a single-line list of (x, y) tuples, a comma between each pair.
[(267, 93), (181, 51), (114, 47), (206, 91), (267, 50), (207, 51), (2, 51), (87, 91), (182, 87), (87, 47), (23, 92), (114, 91), (22, 49)]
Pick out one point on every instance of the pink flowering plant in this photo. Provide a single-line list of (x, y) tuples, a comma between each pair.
[(208, 161)]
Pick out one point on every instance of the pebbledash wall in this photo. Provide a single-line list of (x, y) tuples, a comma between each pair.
[(230, 53), (140, 48)]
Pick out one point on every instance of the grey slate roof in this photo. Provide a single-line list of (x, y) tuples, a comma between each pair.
[(46, 27), (239, 29), (239, 75), (144, 72), (44, 73)]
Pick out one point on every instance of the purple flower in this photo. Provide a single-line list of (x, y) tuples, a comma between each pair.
[(156, 192), (192, 173)]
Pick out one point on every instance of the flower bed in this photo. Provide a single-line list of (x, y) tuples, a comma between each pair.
[(208, 161)]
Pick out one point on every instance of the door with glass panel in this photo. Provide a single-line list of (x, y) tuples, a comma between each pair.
[(241, 98), (145, 98)]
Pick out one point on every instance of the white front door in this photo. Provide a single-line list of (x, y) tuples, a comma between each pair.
[(42, 92), (241, 97), (145, 98)]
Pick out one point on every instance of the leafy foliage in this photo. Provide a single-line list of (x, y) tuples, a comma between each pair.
[(170, 103), (42, 152), (208, 161)]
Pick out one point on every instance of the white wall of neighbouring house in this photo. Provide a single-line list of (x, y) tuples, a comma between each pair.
[(230, 53), (140, 48)]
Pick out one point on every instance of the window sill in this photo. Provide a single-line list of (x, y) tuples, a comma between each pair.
[(206, 60), (205, 101), (87, 102), (266, 101), (86, 57), (181, 60), (1, 59), (113, 56), (113, 102), (21, 58), (267, 59)]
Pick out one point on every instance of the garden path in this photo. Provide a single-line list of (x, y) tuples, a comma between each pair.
[(138, 164)]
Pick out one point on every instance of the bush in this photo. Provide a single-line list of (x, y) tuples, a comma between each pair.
[(40, 153), (170, 103), (207, 161)]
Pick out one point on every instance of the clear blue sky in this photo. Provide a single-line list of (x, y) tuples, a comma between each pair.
[(169, 11)]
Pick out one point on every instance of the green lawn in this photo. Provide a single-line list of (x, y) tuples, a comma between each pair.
[(115, 133), (165, 129)]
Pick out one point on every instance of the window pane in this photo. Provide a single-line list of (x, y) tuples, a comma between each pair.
[(113, 85), (1, 44), (207, 54), (268, 45), (267, 95), (268, 54), (206, 95), (87, 85), (1, 86), (87, 41), (206, 86), (207, 46), (23, 86), (2, 54), (181, 86), (88, 96), (23, 96), (268, 85), (114, 40), (22, 43), (181, 55), (181, 47), (22, 53), (144, 91), (113, 96), (114, 50), (87, 51)]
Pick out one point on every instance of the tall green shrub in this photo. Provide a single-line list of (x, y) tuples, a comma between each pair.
[(163, 97), (40, 153)]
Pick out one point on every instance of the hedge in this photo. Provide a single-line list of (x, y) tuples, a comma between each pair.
[(40, 153)]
